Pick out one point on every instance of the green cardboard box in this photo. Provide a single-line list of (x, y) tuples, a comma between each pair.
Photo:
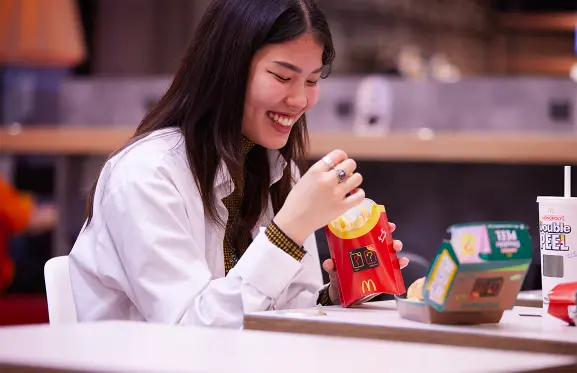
[(475, 276)]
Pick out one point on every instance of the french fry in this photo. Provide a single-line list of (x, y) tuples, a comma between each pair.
[(365, 213), (359, 222), (344, 225), (335, 224)]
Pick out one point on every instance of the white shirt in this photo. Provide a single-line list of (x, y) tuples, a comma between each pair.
[(149, 253)]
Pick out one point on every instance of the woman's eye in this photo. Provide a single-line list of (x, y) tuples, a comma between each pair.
[(312, 82), (281, 78)]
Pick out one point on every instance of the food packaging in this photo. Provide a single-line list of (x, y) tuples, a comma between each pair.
[(361, 246)]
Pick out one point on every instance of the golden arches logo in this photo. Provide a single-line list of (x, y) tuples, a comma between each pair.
[(367, 285), (550, 211)]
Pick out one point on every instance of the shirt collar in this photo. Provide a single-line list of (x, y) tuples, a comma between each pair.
[(276, 162)]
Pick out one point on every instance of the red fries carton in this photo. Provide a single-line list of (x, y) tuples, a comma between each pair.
[(361, 247), (562, 299)]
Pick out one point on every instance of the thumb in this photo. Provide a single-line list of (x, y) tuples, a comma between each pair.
[(329, 267)]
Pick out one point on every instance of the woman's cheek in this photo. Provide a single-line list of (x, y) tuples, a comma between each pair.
[(270, 93), (313, 96)]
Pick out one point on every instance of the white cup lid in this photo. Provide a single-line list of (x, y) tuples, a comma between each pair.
[(556, 199)]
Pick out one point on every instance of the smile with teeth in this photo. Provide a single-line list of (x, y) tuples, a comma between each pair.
[(283, 120)]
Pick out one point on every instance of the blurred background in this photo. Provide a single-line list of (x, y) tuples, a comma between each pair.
[(457, 110)]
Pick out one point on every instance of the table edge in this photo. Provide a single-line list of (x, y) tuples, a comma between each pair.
[(403, 334)]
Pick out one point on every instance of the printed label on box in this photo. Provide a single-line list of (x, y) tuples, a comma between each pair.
[(364, 258), (441, 278)]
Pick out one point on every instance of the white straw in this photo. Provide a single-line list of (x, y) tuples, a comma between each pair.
[(567, 181)]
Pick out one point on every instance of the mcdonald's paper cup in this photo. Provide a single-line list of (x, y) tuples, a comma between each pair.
[(557, 242)]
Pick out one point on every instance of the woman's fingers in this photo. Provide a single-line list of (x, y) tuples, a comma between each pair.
[(403, 262), (350, 184), (329, 161), (354, 199), (348, 166)]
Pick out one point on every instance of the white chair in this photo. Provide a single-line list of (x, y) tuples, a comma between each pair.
[(61, 308)]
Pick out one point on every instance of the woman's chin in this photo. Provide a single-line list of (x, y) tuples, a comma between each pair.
[(275, 144), (274, 140)]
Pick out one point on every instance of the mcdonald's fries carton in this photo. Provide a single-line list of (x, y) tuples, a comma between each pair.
[(474, 278), (562, 302), (361, 247)]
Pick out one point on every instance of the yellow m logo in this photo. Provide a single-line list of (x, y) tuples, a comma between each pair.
[(366, 286), (550, 211)]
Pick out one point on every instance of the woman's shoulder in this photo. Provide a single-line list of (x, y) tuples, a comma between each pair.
[(161, 151)]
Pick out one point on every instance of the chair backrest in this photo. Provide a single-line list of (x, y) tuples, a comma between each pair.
[(61, 308)]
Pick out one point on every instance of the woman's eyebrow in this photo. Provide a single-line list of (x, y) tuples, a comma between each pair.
[(294, 68)]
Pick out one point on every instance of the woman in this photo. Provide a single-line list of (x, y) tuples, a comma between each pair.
[(202, 217)]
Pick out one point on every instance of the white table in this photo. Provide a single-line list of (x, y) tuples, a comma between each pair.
[(380, 320), (137, 347)]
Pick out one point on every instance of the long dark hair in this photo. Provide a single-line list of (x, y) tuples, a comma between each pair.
[(206, 99)]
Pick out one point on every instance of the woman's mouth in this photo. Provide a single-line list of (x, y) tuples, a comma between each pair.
[(282, 119)]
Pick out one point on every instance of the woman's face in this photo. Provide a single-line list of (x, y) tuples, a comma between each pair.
[(283, 83)]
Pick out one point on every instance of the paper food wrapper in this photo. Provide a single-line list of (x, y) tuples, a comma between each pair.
[(476, 275), (361, 247), (562, 299)]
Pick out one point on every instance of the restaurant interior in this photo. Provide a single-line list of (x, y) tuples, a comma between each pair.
[(457, 112)]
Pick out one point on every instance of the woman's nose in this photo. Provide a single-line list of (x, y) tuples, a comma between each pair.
[(297, 98)]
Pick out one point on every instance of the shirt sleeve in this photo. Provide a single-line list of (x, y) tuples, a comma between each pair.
[(167, 277), (306, 289), (307, 286), (284, 242)]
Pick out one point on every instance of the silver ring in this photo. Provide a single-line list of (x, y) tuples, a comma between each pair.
[(341, 175), (328, 161)]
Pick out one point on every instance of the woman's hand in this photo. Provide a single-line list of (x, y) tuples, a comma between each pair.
[(329, 267), (320, 196)]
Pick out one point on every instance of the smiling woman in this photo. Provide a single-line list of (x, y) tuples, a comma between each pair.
[(203, 216), (282, 86)]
